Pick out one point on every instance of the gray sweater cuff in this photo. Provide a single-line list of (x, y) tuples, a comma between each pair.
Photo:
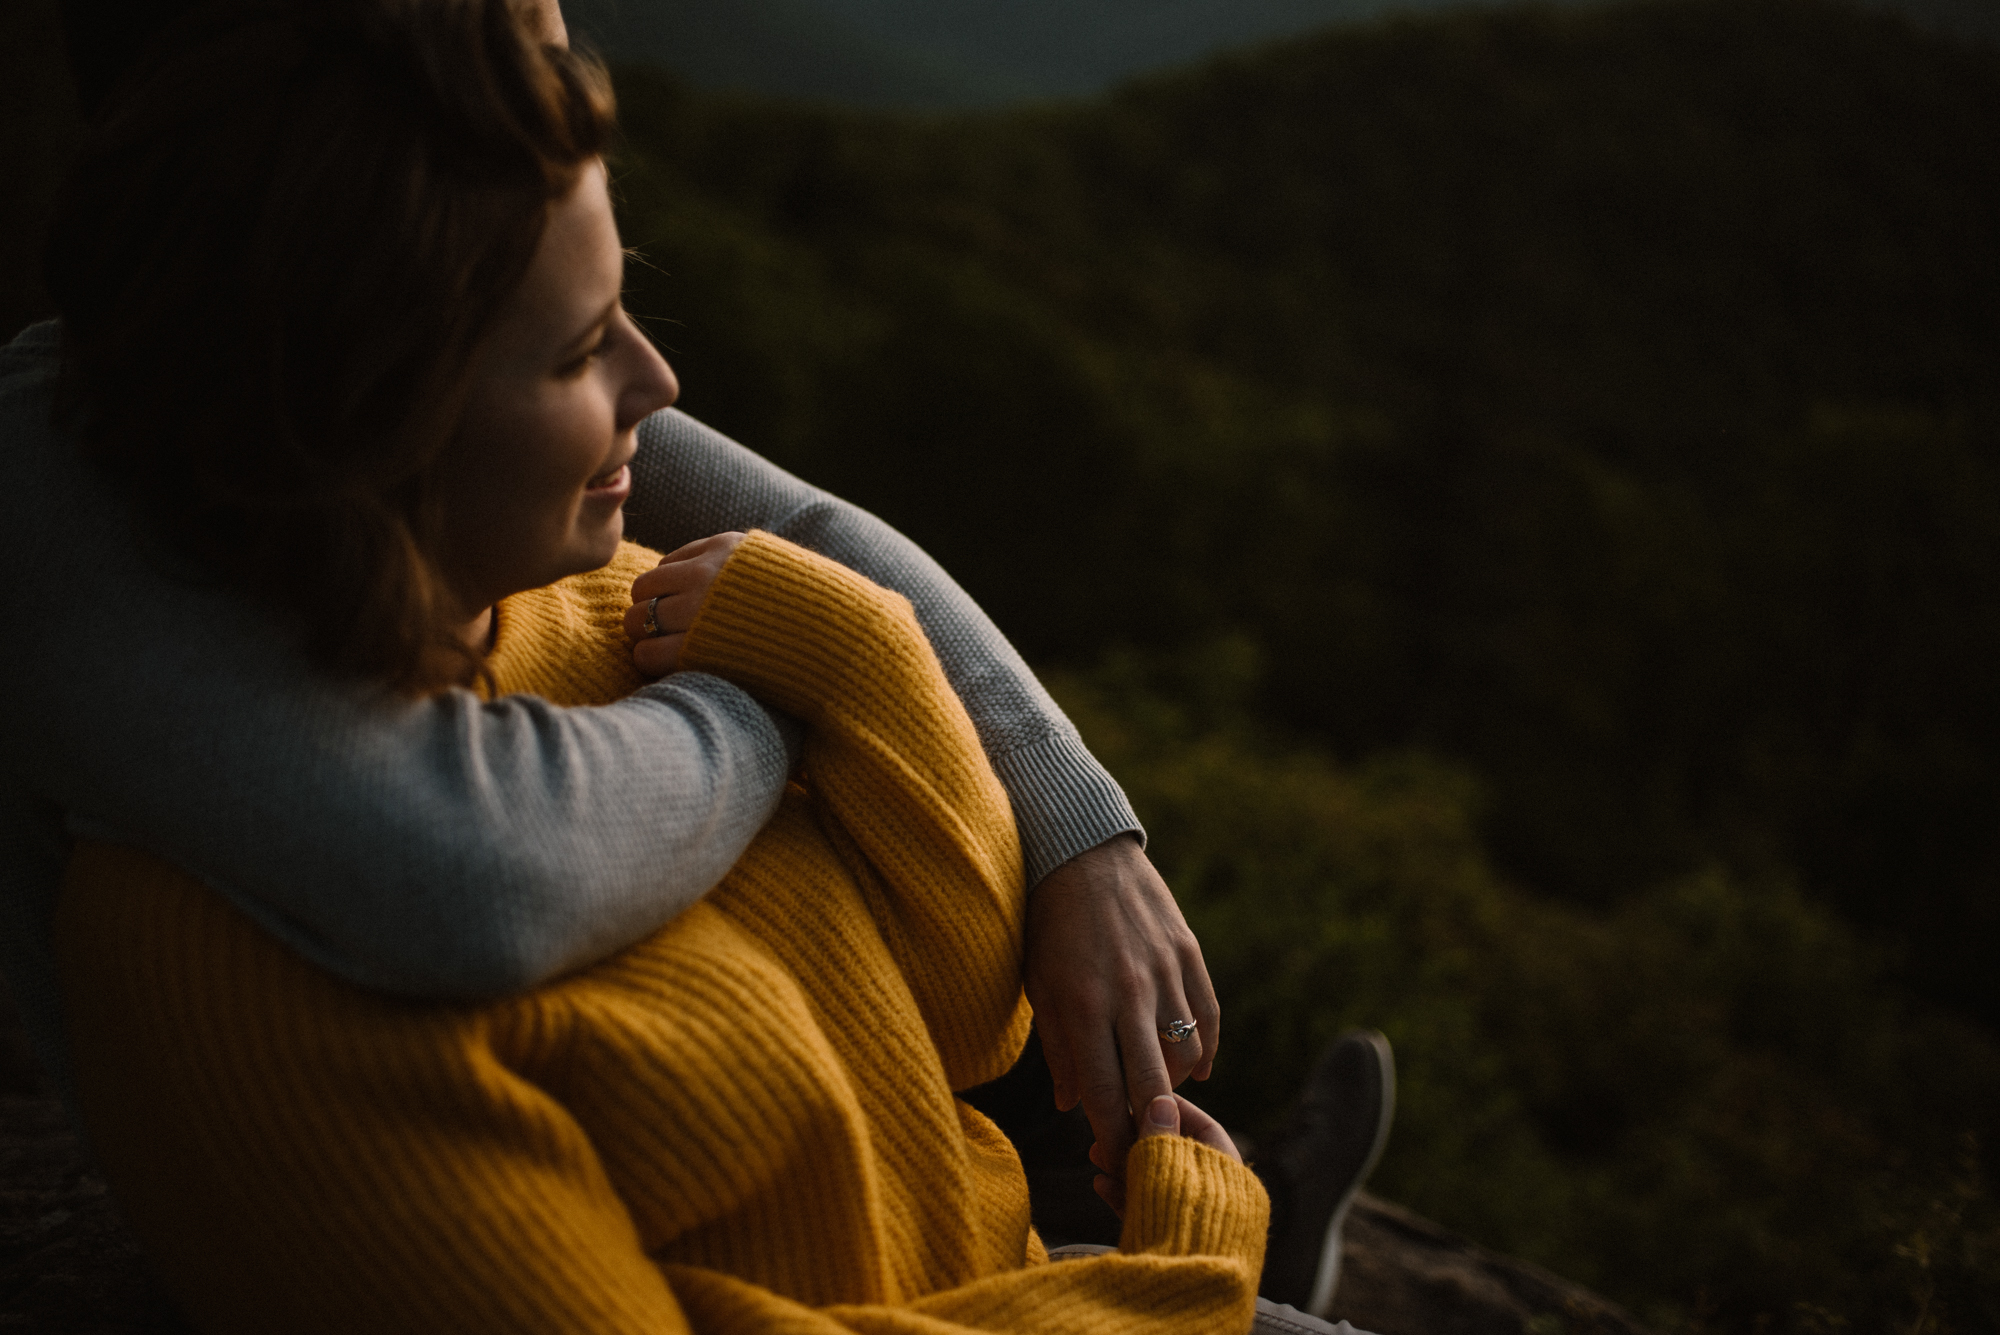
[(1064, 802)]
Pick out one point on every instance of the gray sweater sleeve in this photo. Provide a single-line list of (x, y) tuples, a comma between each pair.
[(691, 481), (443, 847)]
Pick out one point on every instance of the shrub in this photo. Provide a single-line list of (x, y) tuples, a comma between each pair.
[(1707, 1103)]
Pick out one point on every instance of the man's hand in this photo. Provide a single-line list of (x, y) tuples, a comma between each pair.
[(1168, 1115), (681, 582), (1111, 963)]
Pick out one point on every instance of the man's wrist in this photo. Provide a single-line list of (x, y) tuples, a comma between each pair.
[(1064, 802)]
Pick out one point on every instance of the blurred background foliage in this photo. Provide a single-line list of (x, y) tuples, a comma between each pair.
[(967, 53), (1707, 1102), (1514, 496)]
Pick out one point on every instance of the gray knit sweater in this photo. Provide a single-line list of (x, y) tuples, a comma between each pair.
[(441, 847)]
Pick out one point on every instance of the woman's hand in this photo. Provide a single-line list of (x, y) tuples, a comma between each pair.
[(1167, 1115), (1111, 963), (680, 582)]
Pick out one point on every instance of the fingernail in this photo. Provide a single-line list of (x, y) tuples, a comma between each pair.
[(1162, 1112)]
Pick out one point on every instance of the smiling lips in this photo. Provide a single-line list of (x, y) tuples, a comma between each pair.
[(615, 480)]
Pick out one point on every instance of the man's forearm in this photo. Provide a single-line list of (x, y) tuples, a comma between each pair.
[(691, 481), (441, 847)]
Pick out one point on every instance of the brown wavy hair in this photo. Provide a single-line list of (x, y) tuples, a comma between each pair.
[(287, 231)]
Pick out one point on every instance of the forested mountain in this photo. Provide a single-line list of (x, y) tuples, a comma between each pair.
[(1516, 497), (785, 48), (1514, 494), (934, 53), (1607, 399), (950, 53)]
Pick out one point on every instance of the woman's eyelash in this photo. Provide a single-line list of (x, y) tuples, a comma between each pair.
[(597, 350)]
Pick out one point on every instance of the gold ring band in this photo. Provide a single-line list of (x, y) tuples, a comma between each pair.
[(652, 626)]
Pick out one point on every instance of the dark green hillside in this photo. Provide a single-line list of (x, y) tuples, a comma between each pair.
[(794, 48), (1585, 424), (1605, 399), (1516, 498), (968, 53), (1977, 19), (1705, 1103), (1075, 47)]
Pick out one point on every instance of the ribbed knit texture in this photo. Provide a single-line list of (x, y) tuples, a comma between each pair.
[(437, 848), (744, 1122)]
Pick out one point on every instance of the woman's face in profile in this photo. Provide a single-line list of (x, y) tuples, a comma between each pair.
[(535, 485)]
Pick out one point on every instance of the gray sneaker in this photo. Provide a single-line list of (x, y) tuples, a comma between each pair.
[(1315, 1165)]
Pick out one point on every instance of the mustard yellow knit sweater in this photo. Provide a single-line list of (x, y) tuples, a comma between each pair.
[(745, 1122)]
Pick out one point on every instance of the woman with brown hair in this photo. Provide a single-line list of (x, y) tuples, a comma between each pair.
[(430, 847), (745, 1120)]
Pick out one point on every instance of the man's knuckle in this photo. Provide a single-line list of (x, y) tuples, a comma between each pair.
[(1131, 980)]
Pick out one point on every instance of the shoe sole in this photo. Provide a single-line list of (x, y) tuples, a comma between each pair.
[(1326, 1278)]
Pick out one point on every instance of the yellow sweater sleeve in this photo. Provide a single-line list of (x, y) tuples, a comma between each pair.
[(300, 1155), (892, 752), (894, 758), (1188, 1265)]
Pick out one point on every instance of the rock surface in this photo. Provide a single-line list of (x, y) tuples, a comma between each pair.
[(1404, 1275), (67, 1263)]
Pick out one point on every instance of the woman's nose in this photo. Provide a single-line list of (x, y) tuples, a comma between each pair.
[(651, 384)]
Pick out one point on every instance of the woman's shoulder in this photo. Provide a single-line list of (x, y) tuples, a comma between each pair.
[(566, 641)]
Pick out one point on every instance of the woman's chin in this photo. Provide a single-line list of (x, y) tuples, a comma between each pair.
[(590, 544), (600, 544)]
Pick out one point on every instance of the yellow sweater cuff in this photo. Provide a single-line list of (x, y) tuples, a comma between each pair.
[(1184, 1199), (800, 632)]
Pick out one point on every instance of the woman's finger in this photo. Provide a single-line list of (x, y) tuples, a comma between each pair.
[(1198, 1125), (1176, 1115), (702, 546), (1161, 1117), (672, 614), (668, 580), (694, 565), (667, 599)]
